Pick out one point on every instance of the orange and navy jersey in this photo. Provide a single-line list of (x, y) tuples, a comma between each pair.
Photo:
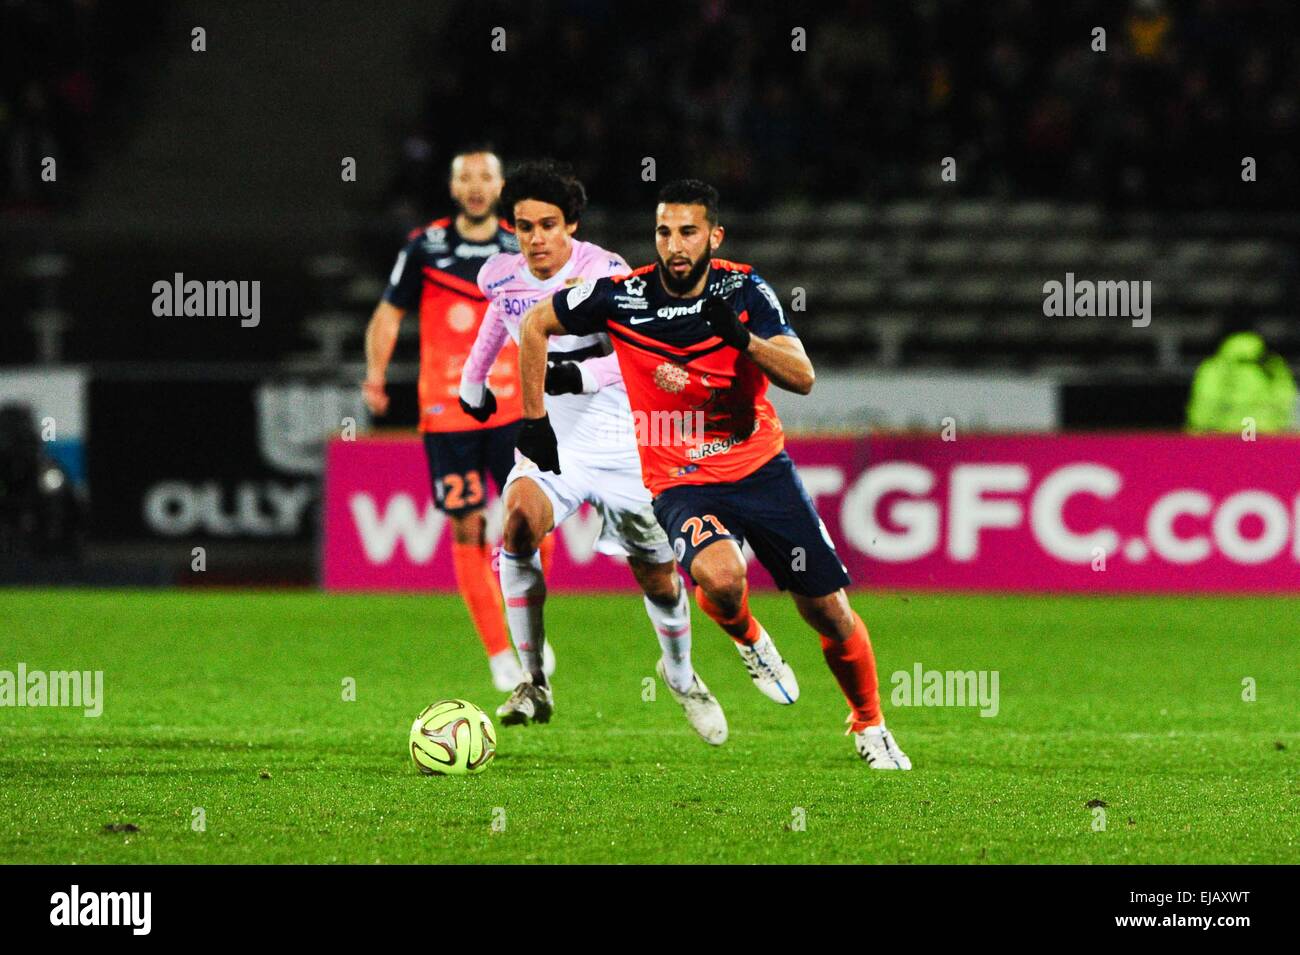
[(436, 273), (702, 408)]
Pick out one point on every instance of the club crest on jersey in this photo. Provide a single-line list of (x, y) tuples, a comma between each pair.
[(672, 378), (461, 317), (435, 239), (635, 286), (727, 283)]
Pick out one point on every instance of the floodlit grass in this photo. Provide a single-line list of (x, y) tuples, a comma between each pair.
[(233, 703)]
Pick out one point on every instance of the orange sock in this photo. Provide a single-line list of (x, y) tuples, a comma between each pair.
[(854, 665), (742, 628), (481, 593), (547, 549)]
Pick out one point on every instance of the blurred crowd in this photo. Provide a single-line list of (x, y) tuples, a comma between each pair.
[(62, 65), (1013, 90), (877, 94)]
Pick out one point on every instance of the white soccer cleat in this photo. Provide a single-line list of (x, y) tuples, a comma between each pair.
[(527, 704), (506, 671), (770, 673), (876, 745), (703, 711)]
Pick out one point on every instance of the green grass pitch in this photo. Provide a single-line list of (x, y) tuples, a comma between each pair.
[(233, 703)]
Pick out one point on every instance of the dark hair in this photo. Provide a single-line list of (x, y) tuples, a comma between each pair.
[(544, 180), (692, 192)]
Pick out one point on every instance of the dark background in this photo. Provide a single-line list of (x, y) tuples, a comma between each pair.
[(225, 164)]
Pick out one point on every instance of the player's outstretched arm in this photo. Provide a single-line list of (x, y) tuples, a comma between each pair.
[(476, 399), (599, 373), (539, 323), (784, 361), (536, 439), (381, 338)]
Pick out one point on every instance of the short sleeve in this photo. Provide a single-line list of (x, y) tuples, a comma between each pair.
[(583, 309), (766, 316), (405, 279)]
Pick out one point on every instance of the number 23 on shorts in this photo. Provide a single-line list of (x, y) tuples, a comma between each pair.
[(700, 533), (454, 490)]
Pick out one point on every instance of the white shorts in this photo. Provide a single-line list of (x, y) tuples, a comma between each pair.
[(629, 527)]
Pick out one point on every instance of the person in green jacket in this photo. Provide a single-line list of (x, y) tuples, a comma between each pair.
[(1243, 379)]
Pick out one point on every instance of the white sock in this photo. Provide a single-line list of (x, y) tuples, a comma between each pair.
[(524, 590), (673, 628)]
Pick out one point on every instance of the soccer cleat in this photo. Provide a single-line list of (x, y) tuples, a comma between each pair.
[(506, 672), (770, 673), (527, 704), (703, 711), (876, 745)]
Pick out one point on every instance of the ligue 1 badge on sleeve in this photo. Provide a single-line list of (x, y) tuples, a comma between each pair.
[(578, 294)]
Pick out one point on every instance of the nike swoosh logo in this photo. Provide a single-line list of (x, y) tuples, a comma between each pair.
[(443, 263), (640, 321)]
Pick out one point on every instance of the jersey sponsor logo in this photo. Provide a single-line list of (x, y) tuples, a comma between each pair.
[(579, 294), (672, 311), (469, 250), (632, 304), (671, 378), (517, 306), (640, 321), (635, 286), (504, 280), (718, 446)]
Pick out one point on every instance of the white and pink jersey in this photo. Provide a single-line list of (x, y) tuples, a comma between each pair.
[(596, 424)]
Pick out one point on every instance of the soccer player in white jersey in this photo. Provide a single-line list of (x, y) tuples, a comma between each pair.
[(596, 459)]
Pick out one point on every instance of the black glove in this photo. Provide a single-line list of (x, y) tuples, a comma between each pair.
[(725, 324), (536, 442), (563, 378), (484, 411)]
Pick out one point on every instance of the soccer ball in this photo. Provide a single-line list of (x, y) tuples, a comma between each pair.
[(452, 738)]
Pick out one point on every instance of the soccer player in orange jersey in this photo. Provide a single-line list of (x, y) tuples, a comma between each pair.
[(436, 274), (700, 336)]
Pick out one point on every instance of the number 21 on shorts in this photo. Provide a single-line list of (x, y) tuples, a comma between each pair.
[(700, 533)]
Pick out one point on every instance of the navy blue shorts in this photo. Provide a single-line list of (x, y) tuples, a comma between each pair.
[(768, 508), (460, 463)]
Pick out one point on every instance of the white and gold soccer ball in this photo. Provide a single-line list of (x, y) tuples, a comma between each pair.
[(452, 738)]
